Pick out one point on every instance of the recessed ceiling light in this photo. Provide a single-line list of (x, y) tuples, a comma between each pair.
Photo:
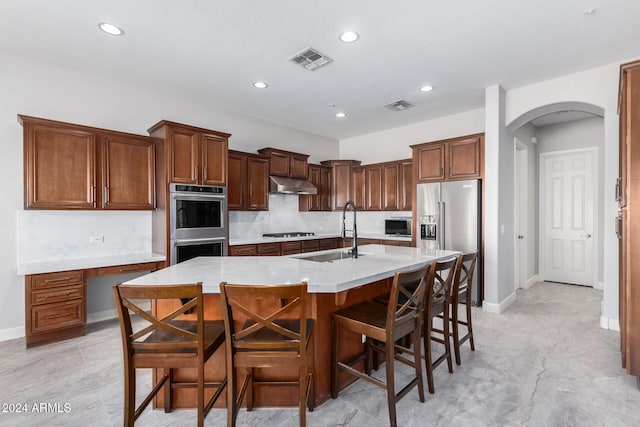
[(349, 36), (341, 115), (427, 88), (260, 85), (111, 29)]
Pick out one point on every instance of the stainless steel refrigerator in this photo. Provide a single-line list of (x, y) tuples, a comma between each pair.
[(448, 215)]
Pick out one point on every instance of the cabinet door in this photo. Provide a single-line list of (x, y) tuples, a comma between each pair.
[(373, 187), (257, 184), (214, 160), (128, 172), (237, 164), (298, 166), (314, 178), (405, 202), (358, 187), (391, 186), (325, 186), (279, 164), (183, 152), (464, 159), (59, 168), (431, 163)]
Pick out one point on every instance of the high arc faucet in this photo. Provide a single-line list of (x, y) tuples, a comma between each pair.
[(354, 243)]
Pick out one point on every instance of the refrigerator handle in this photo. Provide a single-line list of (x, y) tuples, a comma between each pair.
[(442, 225)]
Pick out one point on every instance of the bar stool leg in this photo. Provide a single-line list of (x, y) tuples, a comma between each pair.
[(391, 393), (426, 337), (335, 354), (456, 332)]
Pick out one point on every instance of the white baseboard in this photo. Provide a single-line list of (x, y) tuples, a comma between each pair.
[(531, 281), (500, 307), (612, 324), (11, 333)]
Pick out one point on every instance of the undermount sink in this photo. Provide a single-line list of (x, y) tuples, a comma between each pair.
[(334, 256)]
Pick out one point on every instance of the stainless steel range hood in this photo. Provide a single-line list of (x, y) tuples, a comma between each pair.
[(284, 185)]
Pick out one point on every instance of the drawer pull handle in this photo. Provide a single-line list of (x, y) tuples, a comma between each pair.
[(129, 269), (62, 279), (55, 316)]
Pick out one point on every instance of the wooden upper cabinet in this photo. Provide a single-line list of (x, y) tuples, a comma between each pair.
[(390, 186), (128, 178), (341, 182), (183, 151), (69, 166), (373, 187), (320, 176), (405, 202), (358, 187), (463, 158), (452, 159), (214, 159), (248, 182), (193, 155), (257, 184), (430, 160), (285, 163)]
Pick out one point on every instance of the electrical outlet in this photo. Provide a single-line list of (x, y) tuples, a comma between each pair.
[(96, 239)]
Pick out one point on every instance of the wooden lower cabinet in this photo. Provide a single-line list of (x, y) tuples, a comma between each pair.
[(290, 247), (56, 303), (269, 249), (243, 250), (365, 241)]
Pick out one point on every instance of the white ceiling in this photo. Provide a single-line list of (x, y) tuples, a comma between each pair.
[(212, 51)]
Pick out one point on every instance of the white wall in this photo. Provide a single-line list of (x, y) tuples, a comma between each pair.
[(597, 86), (578, 134), (394, 144), (41, 89)]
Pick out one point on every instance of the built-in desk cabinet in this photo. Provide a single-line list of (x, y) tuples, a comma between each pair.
[(56, 303), (69, 166)]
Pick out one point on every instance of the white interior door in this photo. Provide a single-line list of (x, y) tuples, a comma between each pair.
[(567, 213), (521, 215)]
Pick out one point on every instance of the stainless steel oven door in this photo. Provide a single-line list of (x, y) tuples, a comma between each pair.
[(185, 249), (197, 215)]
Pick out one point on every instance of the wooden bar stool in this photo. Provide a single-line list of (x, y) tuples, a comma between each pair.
[(403, 316), (275, 334), (177, 340), (461, 294), (441, 279)]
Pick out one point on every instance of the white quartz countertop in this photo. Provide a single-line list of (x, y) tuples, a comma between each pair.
[(82, 263), (376, 262), (259, 239)]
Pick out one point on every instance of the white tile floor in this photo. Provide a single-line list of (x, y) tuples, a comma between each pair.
[(544, 362)]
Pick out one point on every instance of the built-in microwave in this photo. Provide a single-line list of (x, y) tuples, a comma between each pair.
[(397, 226)]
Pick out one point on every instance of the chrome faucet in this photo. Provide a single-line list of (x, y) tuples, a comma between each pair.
[(354, 244)]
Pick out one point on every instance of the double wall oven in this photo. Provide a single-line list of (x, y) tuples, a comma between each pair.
[(198, 221)]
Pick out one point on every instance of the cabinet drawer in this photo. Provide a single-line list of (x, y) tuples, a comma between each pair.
[(310, 245), (243, 250), (50, 280), (289, 248), (327, 244), (57, 294), (48, 317), (269, 249), (127, 268)]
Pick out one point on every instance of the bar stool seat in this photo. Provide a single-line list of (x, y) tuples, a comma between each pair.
[(382, 329)]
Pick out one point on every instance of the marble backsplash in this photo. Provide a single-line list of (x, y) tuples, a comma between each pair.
[(55, 235), (283, 215)]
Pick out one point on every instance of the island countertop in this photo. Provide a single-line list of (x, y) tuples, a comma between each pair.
[(375, 262)]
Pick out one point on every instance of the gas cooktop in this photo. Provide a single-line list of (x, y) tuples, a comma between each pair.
[(289, 234)]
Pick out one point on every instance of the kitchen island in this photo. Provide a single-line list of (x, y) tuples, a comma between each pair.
[(331, 286)]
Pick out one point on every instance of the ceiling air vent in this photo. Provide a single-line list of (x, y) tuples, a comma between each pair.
[(310, 59), (399, 105)]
